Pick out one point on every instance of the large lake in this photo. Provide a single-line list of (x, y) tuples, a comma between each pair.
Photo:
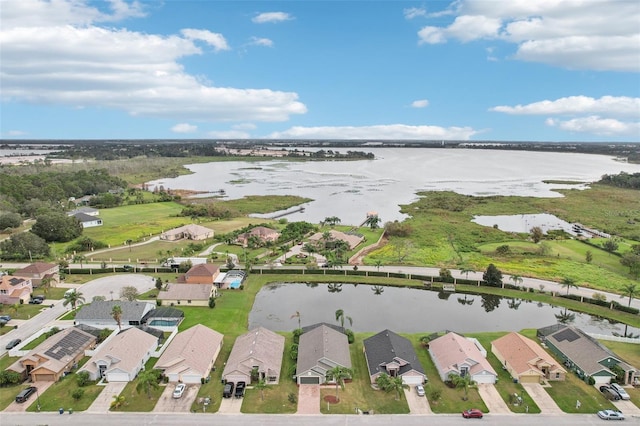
[(350, 189), (407, 310)]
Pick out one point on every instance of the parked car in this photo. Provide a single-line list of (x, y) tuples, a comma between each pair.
[(609, 393), (179, 390), (5, 318), (620, 391), (240, 389), (35, 301), (25, 394), (610, 415), (12, 344), (420, 390), (227, 392), (472, 413)]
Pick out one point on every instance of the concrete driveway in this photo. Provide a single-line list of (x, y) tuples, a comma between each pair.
[(168, 404), (103, 402), (230, 405), (542, 399), (308, 399), (417, 404), (627, 407), (17, 408), (492, 399)]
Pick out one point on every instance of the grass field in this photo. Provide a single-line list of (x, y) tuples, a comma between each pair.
[(8, 393), (59, 396)]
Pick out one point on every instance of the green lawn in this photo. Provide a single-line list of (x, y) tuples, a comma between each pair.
[(35, 342), (566, 393), (8, 394), (139, 401), (59, 396)]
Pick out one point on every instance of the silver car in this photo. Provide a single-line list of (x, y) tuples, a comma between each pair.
[(620, 390), (420, 390)]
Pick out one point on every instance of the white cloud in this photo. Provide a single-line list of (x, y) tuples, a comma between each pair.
[(213, 39), (421, 103), (80, 65), (392, 131), (597, 125), (271, 17), (229, 134), (184, 128), (258, 41), (608, 105), (575, 34), (244, 126), (414, 12), (16, 133)]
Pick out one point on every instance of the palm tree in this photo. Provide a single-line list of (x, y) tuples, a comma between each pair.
[(373, 221), (78, 258), (378, 264), (398, 385), (517, 279), (377, 289), (297, 315), (461, 382), (147, 380), (46, 284), (14, 308), (340, 316), (73, 298), (261, 386), (630, 290), (129, 242), (338, 374), (568, 283), (116, 313), (118, 401), (466, 270)]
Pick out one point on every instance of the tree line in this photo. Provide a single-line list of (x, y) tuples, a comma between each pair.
[(622, 180)]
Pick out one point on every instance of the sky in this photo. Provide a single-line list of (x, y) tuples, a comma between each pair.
[(503, 70)]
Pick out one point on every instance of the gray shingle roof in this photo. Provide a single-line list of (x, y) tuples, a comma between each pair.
[(322, 343), (387, 345), (101, 310)]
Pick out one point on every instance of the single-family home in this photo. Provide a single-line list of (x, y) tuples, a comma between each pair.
[(259, 350), (525, 360), (187, 294), (455, 354), (259, 234), (15, 290), (121, 358), (187, 232), (352, 239), (86, 210), (39, 271), (391, 354), (87, 221), (319, 351), (55, 356), (99, 313), (585, 355), (81, 201), (204, 273), (191, 354)]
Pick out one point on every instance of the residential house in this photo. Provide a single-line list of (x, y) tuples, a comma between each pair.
[(55, 356), (190, 355), (81, 201), (525, 360), (319, 351), (584, 355), (204, 273), (391, 354), (187, 294), (260, 350), (352, 239), (39, 271), (121, 358), (86, 210), (15, 290), (87, 221), (455, 354), (260, 234), (187, 232), (99, 313)]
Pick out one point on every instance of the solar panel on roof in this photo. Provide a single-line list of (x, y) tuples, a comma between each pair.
[(68, 345), (566, 334)]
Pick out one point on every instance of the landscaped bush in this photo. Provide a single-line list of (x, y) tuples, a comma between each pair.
[(82, 378)]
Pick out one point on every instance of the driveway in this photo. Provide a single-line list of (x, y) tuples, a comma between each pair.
[(17, 408), (168, 404), (103, 402), (492, 399), (627, 407), (542, 399), (417, 404), (308, 399), (230, 405)]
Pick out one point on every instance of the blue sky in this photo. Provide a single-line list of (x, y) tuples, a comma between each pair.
[(433, 70)]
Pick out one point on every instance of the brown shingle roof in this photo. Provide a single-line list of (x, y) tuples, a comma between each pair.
[(192, 350), (186, 292), (203, 270), (259, 347), (523, 354), (35, 268)]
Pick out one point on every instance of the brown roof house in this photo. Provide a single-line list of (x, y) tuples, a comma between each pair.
[(260, 234), (320, 350), (15, 290), (259, 349), (187, 294), (391, 354), (455, 354), (352, 239), (52, 358), (204, 273), (187, 232), (40, 271), (120, 358), (190, 355), (525, 360)]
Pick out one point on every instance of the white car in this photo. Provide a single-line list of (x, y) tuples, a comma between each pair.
[(610, 415), (420, 390), (623, 393), (179, 390)]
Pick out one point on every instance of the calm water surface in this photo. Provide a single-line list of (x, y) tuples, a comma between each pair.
[(408, 310)]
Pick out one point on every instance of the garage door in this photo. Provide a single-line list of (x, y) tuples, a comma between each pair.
[(117, 377), (412, 380), (309, 380), (529, 379), (44, 378), (484, 378)]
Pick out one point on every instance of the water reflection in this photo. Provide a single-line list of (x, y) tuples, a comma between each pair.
[(465, 301), (490, 302), (566, 317), (377, 290)]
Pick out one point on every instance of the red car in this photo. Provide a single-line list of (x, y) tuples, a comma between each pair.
[(472, 413)]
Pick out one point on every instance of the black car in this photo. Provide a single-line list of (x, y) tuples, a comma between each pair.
[(25, 394), (227, 392), (35, 301), (240, 389), (12, 344), (609, 393)]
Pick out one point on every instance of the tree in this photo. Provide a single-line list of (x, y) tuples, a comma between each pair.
[(466, 270), (378, 264), (631, 291), (158, 283), (568, 283), (632, 261), (14, 308), (129, 293), (147, 380), (332, 220), (116, 313), (536, 234), (73, 298), (338, 374), (56, 226), (461, 382), (82, 378), (492, 276), (261, 386), (588, 256), (45, 284), (77, 394), (373, 221), (24, 245), (517, 279), (297, 315), (129, 242), (118, 401), (340, 316), (398, 385), (445, 275), (610, 245), (10, 220), (78, 258)]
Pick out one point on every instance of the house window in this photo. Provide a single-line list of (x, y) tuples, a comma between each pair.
[(188, 301), (557, 375), (272, 378), (3, 291)]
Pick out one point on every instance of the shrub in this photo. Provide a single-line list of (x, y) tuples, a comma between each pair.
[(296, 335), (9, 378), (434, 394), (292, 398), (77, 394), (350, 336), (212, 302), (591, 381), (82, 378)]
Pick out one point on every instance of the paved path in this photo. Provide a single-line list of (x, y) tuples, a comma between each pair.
[(103, 402), (542, 399), (168, 404), (308, 399), (417, 404), (492, 399), (230, 405)]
